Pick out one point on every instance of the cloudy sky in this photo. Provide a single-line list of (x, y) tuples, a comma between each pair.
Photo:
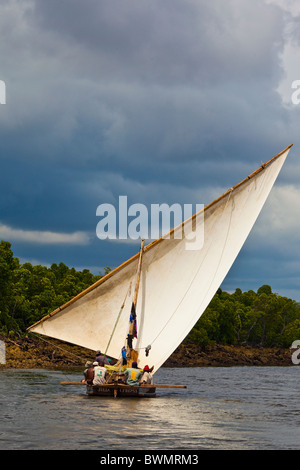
[(163, 101)]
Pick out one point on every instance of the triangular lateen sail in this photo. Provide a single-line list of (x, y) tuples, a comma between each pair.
[(176, 284)]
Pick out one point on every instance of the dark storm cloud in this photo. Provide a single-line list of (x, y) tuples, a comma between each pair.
[(124, 84), (167, 80), (169, 42)]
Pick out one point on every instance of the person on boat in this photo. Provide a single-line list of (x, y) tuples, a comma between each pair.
[(89, 373), (133, 375), (129, 341), (101, 358), (147, 376), (124, 356), (100, 373), (88, 364)]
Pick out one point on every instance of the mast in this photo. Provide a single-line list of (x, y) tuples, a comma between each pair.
[(132, 354)]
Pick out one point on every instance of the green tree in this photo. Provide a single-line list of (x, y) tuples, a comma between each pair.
[(7, 265), (265, 289)]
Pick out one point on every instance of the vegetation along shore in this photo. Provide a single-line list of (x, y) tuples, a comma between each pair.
[(240, 328)]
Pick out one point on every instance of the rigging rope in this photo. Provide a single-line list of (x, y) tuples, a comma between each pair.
[(64, 350), (117, 320)]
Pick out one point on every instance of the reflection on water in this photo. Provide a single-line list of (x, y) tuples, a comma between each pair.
[(222, 408)]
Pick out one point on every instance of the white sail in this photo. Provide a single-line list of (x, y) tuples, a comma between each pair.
[(176, 283)]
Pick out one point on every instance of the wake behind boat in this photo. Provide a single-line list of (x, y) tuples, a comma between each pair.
[(149, 304)]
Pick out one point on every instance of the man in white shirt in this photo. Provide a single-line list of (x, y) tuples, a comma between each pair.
[(147, 376), (99, 374)]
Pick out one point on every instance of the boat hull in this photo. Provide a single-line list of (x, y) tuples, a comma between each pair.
[(120, 391)]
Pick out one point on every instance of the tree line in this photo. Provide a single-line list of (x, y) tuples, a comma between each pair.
[(261, 318), (29, 292)]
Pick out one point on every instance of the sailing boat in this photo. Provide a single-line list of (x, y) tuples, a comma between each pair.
[(173, 285)]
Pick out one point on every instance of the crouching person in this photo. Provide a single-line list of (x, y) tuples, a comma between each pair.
[(133, 375), (147, 375), (100, 373), (89, 373)]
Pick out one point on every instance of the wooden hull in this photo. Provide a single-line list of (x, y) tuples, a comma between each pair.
[(122, 390), (119, 390)]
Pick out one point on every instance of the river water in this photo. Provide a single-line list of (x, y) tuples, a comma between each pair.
[(235, 408)]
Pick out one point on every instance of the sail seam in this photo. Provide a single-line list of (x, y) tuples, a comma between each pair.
[(192, 281), (200, 307)]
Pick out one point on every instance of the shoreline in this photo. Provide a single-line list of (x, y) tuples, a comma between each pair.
[(228, 356), (36, 353)]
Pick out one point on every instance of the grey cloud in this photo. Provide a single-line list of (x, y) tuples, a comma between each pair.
[(135, 82), (168, 42)]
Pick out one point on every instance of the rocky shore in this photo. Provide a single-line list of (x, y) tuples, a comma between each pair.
[(34, 352), (228, 356)]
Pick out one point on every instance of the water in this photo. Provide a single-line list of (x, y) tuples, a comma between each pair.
[(236, 408)]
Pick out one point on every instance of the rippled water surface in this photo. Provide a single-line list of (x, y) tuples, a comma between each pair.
[(222, 408)]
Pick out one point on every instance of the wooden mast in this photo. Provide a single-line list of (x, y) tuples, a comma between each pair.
[(132, 354)]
